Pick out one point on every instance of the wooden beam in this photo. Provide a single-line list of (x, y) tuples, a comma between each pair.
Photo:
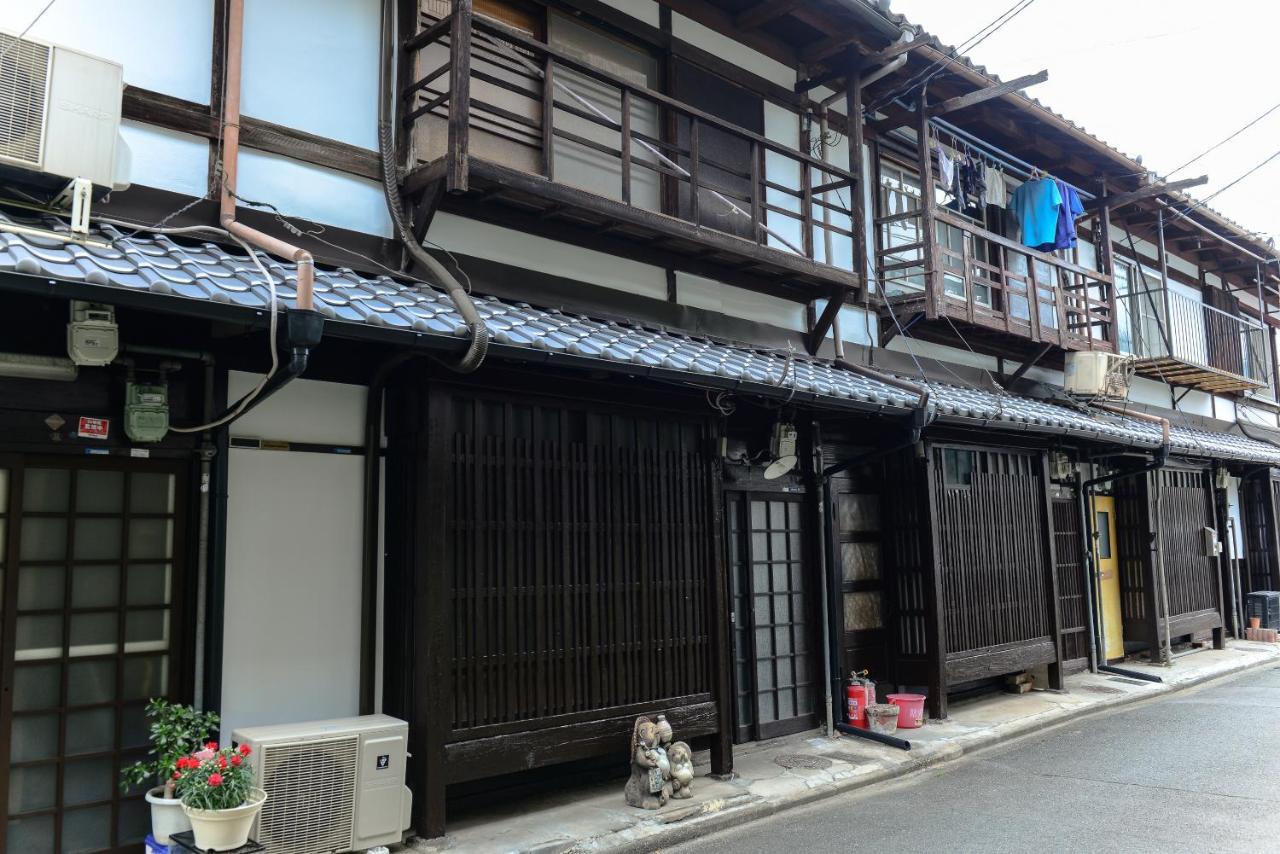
[(868, 62), (1146, 192), (143, 105), (764, 12), (971, 99), (814, 339)]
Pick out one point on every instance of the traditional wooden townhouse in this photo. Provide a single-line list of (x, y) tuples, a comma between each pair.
[(517, 367)]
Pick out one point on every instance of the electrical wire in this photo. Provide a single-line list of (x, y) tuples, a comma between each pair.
[(26, 30), (1182, 214)]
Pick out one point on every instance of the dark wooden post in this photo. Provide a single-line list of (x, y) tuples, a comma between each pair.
[(806, 197), (459, 165), (1051, 576), (757, 209), (1163, 260), (924, 138), (549, 118), (433, 614), (695, 155), (935, 607), (854, 133), (1152, 486), (1107, 263), (722, 646), (625, 146)]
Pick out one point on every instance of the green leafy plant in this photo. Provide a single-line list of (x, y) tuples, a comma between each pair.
[(176, 731), (215, 779)]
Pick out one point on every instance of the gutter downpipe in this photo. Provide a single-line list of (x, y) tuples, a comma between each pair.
[(1097, 641), (923, 414), (304, 325)]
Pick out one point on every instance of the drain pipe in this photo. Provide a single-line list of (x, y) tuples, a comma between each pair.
[(1233, 577), (1098, 660)]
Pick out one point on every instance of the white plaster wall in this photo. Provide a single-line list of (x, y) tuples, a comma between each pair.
[(166, 159), (470, 237), (164, 46), (313, 65), (738, 302), (292, 626), (644, 10), (314, 193), (721, 45), (1233, 544)]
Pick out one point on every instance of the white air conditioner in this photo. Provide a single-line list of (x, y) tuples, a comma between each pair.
[(331, 785), (60, 114), (1105, 375)]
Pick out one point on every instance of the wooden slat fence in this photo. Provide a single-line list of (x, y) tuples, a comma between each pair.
[(1071, 585)]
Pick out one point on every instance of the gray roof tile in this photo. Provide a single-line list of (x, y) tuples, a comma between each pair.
[(208, 272)]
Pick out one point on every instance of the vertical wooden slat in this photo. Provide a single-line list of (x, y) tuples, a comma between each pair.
[(695, 166), (458, 168), (626, 146), (549, 119)]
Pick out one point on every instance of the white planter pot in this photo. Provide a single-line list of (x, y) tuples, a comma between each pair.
[(167, 817), (225, 830)]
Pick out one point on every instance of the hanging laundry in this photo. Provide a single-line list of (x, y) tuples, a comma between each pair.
[(1036, 205), (946, 168), (973, 185), (996, 193), (1069, 209)]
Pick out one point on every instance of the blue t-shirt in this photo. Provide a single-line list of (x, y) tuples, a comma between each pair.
[(1036, 205)]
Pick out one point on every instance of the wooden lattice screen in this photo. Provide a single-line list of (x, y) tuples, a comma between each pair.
[(992, 550), (581, 546), (1068, 554)]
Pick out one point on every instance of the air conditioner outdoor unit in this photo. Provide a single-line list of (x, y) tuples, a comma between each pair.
[(1105, 375), (59, 117), (331, 786)]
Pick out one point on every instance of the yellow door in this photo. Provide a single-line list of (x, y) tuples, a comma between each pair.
[(1108, 563)]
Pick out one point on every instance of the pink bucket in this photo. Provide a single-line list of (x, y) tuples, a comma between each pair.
[(911, 714)]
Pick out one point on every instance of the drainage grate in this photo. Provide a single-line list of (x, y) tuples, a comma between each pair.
[(1128, 681), (1101, 689), (801, 760)]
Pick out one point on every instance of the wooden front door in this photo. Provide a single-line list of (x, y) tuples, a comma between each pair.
[(775, 655), (1108, 563), (92, 566)]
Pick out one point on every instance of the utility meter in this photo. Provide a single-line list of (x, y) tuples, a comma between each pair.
[(146, 411), (93, 339)]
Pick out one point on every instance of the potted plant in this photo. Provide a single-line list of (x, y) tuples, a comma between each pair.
[(176, 730), (217, 793)]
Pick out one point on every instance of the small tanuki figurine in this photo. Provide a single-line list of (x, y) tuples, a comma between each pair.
[(681, 770), (646, 788)]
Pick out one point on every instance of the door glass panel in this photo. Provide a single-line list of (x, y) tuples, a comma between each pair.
[(150, 538), (94, 634), (91, 731), (146, 631), (46, 490), (36, 686), (100, 492), (151, 492), (32, 787), (134, 728), (34, 737), (87, 780), (44, 539), (95, 586), (4, 490), (145, 676), (40, 587), (38, 637), (86, 830), (97, 539), (1103, 528), (148, 584), (91, 682), (32, 835)]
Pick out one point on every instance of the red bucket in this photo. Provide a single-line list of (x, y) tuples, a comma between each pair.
[(911, 709)]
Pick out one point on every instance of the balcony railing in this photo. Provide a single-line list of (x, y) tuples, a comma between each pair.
[(1182, 341), (506, 118), (991, 282)]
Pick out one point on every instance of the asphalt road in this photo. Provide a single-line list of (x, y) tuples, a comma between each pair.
[(1197, 771)]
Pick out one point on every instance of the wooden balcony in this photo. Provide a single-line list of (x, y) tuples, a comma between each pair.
[(969, 286), (1184, 342), (512, 130)]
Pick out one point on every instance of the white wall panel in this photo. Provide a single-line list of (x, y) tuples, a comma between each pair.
[(303, 411), (738, 302), (314, 193), (166, 159), (506, 246), (644, 10), (718, 44), (313, 65), (164, 46)]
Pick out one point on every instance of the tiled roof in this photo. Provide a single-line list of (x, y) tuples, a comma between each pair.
[(160, 266)]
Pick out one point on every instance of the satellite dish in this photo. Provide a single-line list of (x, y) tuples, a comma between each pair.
[(780, 466)]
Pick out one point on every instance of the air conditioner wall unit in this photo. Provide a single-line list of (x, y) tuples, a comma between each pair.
[(1105, 375), (59, 114), (332, 786)]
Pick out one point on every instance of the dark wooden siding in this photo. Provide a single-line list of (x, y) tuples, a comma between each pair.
[(1186, 509), (1258, 503), (908, 563)]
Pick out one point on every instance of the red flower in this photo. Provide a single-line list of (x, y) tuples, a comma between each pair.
[(176, 775), (245, 750), (222, 762), (215, 779), (237, 761), (213, 745)]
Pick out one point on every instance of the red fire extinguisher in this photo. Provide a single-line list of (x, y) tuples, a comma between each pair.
[(860, 694)]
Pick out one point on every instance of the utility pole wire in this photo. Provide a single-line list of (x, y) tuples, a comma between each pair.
[(26, 29)]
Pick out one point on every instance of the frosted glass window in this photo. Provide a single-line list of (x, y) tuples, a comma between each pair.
[(91, 731), (100, 492), (34, 737), (36, 686), (40, 587), (150, 538), (32, 788), (97, 539), (94, 634), (87, 829), (145, 676), (44, 539), (87, 780), (146, 630), (30, 834), (148, 584), (90, 682), (38, 637), (95, 586), (151, 492), (46, 490)]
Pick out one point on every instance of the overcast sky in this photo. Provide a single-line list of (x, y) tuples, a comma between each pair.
[(1165, 79)]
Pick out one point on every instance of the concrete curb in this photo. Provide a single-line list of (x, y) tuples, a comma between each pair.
[(964, 745)]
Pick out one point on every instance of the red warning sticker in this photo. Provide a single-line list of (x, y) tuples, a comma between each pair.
[(93, 428)]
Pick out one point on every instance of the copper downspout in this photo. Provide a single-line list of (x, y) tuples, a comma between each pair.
[(230, 157), (1141, 416)]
